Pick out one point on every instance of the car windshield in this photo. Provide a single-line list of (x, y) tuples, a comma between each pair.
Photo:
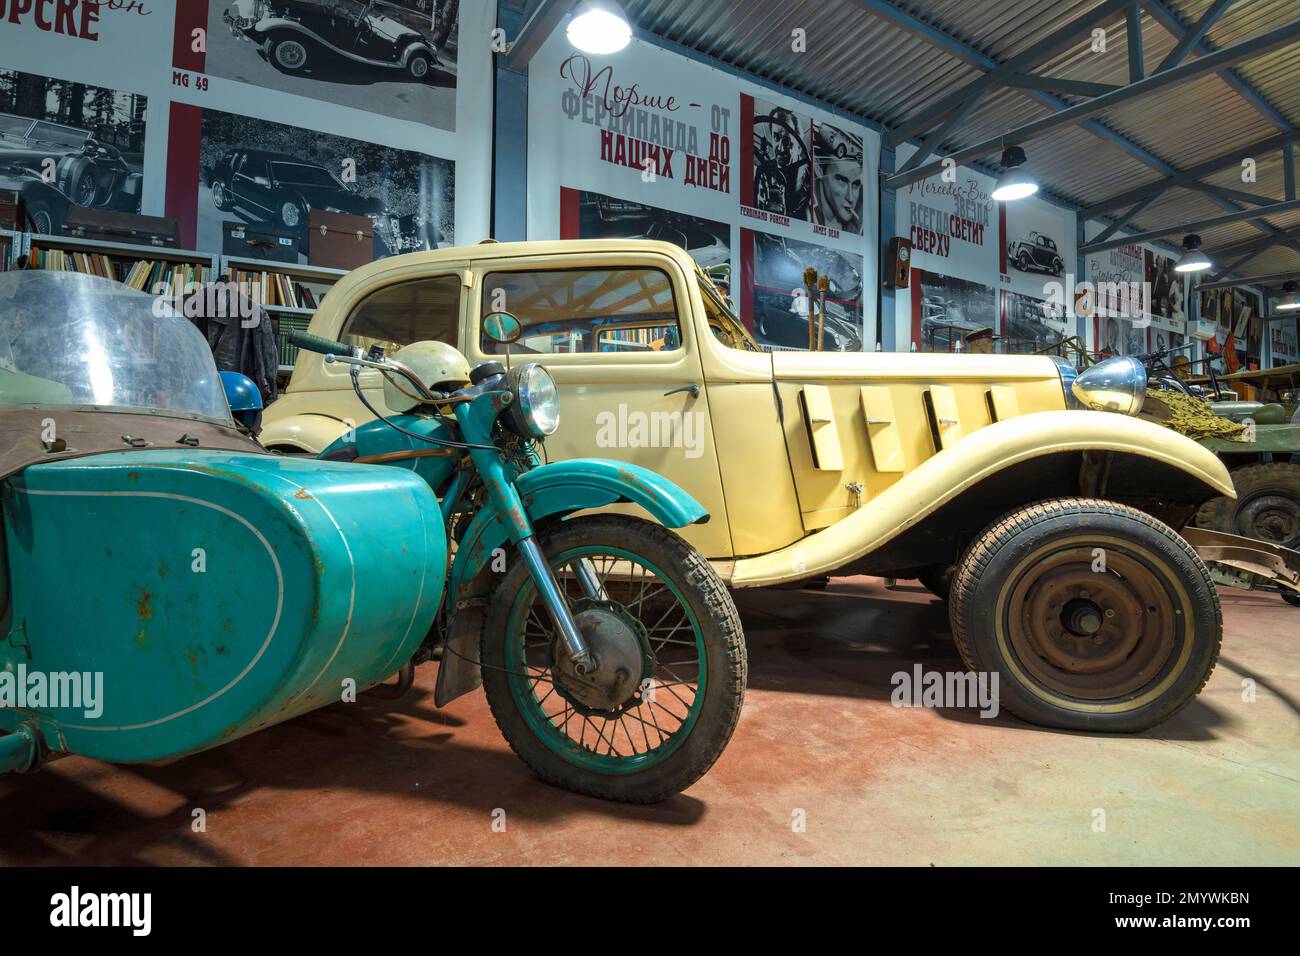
[(69, 339), (58, 135), (14, 125)]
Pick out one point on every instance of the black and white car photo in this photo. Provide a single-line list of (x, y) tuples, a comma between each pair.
[(392, 57)]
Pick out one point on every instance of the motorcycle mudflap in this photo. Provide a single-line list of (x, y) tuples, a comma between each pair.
[(216, 592)]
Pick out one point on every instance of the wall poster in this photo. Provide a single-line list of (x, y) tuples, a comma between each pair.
[(249, 117), (757, 187)]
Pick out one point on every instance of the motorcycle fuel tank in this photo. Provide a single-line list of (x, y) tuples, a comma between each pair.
[(208, 594)]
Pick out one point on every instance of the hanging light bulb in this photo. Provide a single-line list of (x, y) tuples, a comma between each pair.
[(1193, 259), (599, 26), (1290, 300), (1016, 182)]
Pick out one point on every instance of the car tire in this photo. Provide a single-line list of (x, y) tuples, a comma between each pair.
[(220, 195), (1022, 262), (1267, 506), (1057, 267), (42, 217), (288, 53), (418, 66), (292, 214), (1116, 648)]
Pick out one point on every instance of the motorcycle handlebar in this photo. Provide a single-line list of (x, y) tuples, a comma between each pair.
[(315, 343)]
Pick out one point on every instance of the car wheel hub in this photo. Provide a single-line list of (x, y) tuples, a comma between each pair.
[(1091, 633), (619, 653), (1274, 518), (291, 54), (290, 214)]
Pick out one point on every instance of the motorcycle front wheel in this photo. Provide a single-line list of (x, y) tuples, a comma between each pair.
[(669, 651)]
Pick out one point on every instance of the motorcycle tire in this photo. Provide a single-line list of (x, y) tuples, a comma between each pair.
[(590, 761)]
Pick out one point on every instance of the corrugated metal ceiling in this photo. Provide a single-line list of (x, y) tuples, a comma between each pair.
[(865, 63)]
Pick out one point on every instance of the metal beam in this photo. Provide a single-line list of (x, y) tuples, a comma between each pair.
[(1288, 170), (1276, 209), (1133, 36), (535, 32), (1166, 17), (1194, 36), (1058, 84), (1279, 238), (1236, 195), (996, 72), (1121, 222), (1256, 46), (1191, 174), (1276, 278)]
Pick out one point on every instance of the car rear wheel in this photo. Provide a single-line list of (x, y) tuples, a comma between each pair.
[(41, 216), (220, 195), (1091, 615), (291, 214), (289, 54)]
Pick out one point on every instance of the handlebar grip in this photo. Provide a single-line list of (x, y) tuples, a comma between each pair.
[(315, 343)]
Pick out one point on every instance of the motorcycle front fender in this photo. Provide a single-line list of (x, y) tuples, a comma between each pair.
[(552, 490)]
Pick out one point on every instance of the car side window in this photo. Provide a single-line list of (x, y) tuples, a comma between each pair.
[(421, 310), (625, 309)]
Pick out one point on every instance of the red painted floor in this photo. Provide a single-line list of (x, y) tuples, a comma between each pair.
[(819, 745)]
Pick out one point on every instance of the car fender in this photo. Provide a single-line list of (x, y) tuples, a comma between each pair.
[(309, 432), (980, 455), (414, 46), (562, 488)]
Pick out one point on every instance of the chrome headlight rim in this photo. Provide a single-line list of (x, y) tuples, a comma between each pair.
[(535, 412), (1116, 385)]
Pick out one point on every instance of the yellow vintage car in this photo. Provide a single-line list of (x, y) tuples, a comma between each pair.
[(1053, 533)]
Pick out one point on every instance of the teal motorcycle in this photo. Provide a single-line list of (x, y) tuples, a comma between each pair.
[(168, 585)]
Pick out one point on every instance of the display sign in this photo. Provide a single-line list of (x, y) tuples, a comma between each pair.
[(756, 186), (247, 119), (1284, 341), (982, 264)]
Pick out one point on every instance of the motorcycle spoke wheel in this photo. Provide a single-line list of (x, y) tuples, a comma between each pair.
[(650, 724)]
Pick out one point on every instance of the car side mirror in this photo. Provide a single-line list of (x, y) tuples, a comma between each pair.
[(502, 327)]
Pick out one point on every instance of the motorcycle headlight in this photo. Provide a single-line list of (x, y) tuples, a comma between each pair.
[(1068, 374), (1115, 385), (535, 412)]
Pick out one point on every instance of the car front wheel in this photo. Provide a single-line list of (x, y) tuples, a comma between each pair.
[(1090, 614), (289, 54)]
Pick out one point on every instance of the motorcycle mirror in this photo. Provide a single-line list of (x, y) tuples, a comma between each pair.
[(502, 327)]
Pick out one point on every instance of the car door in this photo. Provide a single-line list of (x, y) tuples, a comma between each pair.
[(251, 184), (614, 331)]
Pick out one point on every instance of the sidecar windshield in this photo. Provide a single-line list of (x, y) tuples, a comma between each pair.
[(75, 340)]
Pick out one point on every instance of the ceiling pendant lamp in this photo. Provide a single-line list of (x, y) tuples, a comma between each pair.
[(1193, 259), (1290, 301), (1015, 182), (599, 26)]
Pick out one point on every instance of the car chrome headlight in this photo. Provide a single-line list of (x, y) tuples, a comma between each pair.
[(1068, 374), (535, 412), (1115, 385)]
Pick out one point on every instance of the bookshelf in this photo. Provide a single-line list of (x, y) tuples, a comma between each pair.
[(289, 293), (146, 268)]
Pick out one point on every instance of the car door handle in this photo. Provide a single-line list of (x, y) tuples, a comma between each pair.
[(693, 388)]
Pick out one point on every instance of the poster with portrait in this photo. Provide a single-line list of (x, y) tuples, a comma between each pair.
[(1167, 296), (65, 145), (651, 144), (1284, 341)]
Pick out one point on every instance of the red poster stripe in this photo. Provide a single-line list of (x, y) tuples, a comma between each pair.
[(745, 294), (917, 307), (746, 149), (569, 213), (186, 129), (191, 15)]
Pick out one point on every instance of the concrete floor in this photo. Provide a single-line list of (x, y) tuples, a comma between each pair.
[(819, 741)]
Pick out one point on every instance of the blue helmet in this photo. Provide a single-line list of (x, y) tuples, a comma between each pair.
[(243, 397)]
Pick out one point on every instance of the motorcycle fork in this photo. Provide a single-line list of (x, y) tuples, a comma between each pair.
[(476, 427)]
